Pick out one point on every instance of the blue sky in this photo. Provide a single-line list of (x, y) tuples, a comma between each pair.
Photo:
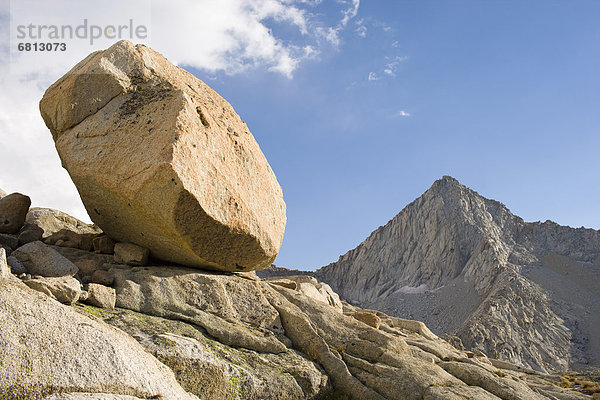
[(360, 106), (502, 95)]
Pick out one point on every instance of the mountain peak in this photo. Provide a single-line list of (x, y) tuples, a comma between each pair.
[(465, 265), (446, 183)]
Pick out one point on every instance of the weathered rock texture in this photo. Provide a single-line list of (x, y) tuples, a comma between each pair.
[(234, 336), (49, 348), (528, 293), (162, 161)]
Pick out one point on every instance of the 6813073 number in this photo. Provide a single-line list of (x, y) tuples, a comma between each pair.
[(42, 46)]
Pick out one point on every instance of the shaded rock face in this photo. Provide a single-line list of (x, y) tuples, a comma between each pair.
[(524, 292), (13, 210), (162, 161)]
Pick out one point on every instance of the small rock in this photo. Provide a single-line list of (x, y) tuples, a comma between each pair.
[(4, 268), (24, 277), (131, 254), (65, 238), (83, 296), (30, 233), (479, 353), (87, 267), (9, 240), (101, 296), (65, 289), (13, 210), (16, 266), (42, 260), (368, 318), (103, 277), (250, 275), (286, 283), (103, 244), (86, 242)]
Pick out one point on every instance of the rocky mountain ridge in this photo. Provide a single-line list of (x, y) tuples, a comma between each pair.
[(467, 266)]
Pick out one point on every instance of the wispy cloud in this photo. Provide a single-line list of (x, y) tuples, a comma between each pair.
[(392, 66), (332, 34), (373, 76), (361, 29), (350, 12), (402, 113)]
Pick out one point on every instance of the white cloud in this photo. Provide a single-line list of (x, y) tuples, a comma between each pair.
[(402, 113), (392, 66), (228, 36), (350, 12), (373, 76), (332, 34), (361, 29), (395, 43)]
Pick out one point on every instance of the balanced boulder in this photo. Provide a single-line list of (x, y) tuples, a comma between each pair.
[(13, 210), (162, 161)]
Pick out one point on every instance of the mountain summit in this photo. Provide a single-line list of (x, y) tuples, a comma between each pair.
[(524, 292)]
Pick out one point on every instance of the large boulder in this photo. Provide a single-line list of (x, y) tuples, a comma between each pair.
[(162, 161), (13, 210)]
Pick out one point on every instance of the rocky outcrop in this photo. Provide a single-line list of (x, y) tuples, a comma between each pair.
[(50, 348), (522, 292), (310, 287), (162, 161), (229, 336), (212, 370)]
